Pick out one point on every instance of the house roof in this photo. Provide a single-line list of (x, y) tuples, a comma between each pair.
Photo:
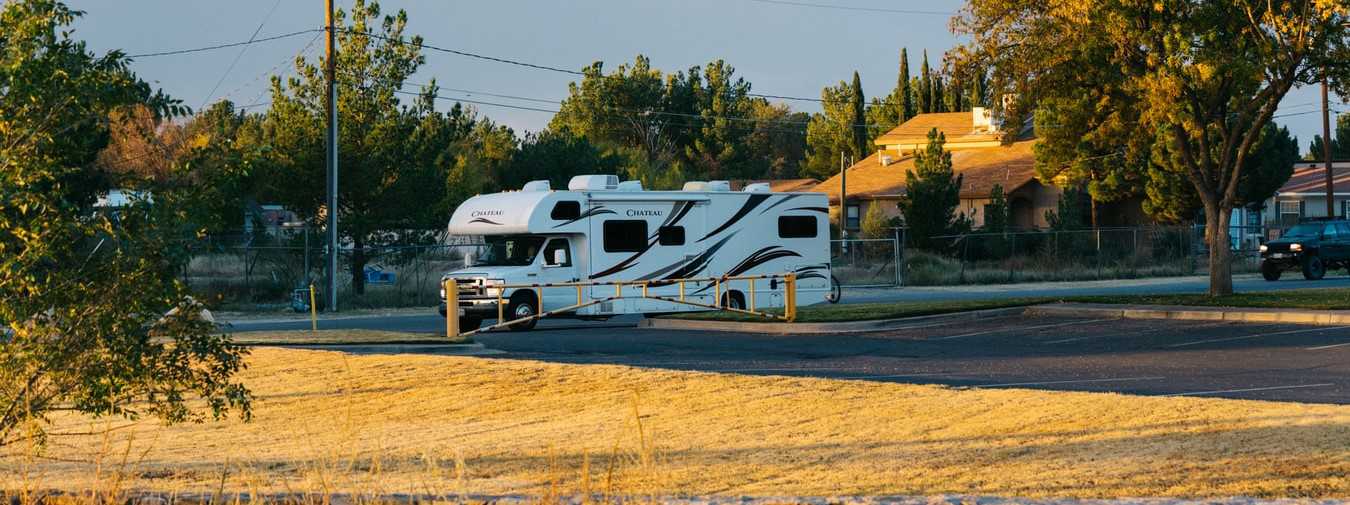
[(1011, 166), (1311, 178), (778, 185), (958, 127)]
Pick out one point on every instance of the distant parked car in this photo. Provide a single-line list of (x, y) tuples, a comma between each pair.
[(1312, 247)]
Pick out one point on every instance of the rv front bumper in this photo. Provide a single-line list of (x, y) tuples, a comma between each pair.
[(486, 309)]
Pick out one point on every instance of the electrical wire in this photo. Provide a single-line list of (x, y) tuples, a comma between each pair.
[(242, 50), (854, 8), (225, 46)]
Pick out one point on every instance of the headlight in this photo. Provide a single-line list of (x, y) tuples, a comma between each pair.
[(492, 282), (1264, 248), (442, 293), (1296, 247)]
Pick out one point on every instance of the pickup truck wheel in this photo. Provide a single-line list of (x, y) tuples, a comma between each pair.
[(1270, 271), (1313, 269), (521, 306)]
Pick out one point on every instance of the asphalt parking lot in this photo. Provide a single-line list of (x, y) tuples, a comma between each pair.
[(1280, 362)]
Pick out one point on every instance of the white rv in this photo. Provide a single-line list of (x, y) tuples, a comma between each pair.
[(603, 230)]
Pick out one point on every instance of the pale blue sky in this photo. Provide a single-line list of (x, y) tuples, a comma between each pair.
[(781, 49)]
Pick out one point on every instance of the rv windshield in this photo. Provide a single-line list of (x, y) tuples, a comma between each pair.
[(510, 251)]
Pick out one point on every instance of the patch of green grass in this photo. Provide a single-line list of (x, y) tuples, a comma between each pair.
[(871, 311), (1314, 299)]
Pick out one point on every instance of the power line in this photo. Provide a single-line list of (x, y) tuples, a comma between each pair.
[(854, 8), (225, 46), (243, 50)]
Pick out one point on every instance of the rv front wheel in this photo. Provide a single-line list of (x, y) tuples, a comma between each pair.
[(522, 305)]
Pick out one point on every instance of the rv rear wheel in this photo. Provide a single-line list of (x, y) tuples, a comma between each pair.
[(522, 305), (733, 300)]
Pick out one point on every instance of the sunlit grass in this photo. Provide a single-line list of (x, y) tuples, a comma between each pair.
[(327, 422)]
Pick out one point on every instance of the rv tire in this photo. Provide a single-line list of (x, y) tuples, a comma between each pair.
[(836, 292), (733, 300), (522, 304)]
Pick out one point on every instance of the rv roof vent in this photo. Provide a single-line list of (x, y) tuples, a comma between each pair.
[(696, 186), (719, 185), (758, 187), (630, 186), (541, 185), (593, 182)]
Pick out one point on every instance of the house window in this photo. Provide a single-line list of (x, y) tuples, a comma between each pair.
[(625, 236), (1290, 212), (852, 212), (671, 235), (797, 226), (1345, 209)]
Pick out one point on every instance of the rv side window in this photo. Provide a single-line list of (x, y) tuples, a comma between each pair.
[(671, 235), (625, 236), (563, 211), (796, 226)]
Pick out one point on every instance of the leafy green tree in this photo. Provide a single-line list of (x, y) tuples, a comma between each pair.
[(875, 224), (932, 193), (82, 290), (1340, 142), (723, 104), (829, 135), (996, 212), (557, 156), (1207, 76), (881, 117), (777, 146), (860, 124), (387, 194), (1068, 214), (1269, 167)]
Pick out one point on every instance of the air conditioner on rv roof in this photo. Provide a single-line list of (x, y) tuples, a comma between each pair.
[(537, 186), (630, 186), (758, 187), (695, 186), (719, 185), (593, 183)]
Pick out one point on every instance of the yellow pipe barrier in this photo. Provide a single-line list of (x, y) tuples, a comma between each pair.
[(451, 308), (313, 312), (752, 294)]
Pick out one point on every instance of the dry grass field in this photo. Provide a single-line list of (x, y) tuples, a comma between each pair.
[(327, 422)]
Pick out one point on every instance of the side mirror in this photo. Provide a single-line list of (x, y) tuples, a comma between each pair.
[(559, 257), (468, 260)]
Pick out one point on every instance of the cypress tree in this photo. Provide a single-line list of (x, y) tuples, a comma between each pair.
[(935, 101), (925, 86), (905, 100), (859, 119)]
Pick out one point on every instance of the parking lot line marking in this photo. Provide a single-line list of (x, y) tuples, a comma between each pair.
[(1120, 379), (946, 323), (1332, 346), (1195, 393), (1258, 335), (1024, 328), (895, 376)]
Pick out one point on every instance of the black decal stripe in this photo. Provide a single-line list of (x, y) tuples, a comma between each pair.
[(815, 209), (589, 212), (628, 263), (758, 258), (695, 265), (779, 202), (750, 205), (482, 220)]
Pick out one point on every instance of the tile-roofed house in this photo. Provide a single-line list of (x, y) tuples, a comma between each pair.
[(977, 154), (1304, 194)]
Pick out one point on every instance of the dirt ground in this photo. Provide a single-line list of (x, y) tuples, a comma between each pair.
[(329, 422)]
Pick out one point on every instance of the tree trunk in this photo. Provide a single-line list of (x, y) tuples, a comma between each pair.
[(1220, 250), (358, 267)]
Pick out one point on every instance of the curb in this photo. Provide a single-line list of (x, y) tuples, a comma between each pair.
[(1184, 313), (395, 348), (827, 328)]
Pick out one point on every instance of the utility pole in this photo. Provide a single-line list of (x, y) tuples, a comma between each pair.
[(1326, 150), (330, 68), (843, 197)]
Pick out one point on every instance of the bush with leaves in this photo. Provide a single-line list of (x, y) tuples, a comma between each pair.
[(83, 293), (932, 193)]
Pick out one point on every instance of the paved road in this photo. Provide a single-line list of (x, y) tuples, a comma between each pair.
[(1166, 285), (1255, 361)]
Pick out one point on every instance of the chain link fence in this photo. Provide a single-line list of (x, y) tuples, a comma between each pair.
[(866, 262)]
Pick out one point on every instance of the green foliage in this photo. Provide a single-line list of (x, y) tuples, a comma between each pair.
[(924, 91), (932, 193), (903, 95), (996, 212), (860, 123), (82, 290), (829, 135), (875, 224), (1340, 142), (1269, 166), (1203, 77), (401, 167), (1069, 213)]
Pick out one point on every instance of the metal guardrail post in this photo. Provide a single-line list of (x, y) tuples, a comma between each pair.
[(313, 312), (790, 307), (452, 308)]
